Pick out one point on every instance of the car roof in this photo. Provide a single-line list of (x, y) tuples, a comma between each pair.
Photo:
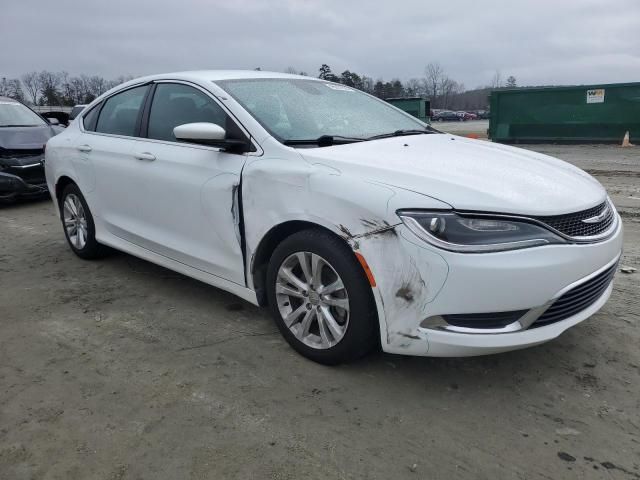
[(215, 75), (206, 76)]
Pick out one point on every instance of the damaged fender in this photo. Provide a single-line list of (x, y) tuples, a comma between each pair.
[(408, 277)]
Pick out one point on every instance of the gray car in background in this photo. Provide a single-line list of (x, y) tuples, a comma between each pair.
[(23, 135)]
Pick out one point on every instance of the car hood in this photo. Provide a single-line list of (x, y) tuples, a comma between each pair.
[(467, 174), (25, 138)]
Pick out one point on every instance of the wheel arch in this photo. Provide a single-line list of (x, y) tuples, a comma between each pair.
[(61, 184), (269, 242)]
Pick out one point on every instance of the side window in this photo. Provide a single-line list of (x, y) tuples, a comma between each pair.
[(176, 104), (90, 118), (120, 112)]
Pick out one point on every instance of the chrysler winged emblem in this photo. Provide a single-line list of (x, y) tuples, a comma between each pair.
[(598, 218)]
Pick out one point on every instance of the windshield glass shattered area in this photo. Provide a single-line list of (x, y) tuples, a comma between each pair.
[(298, 109), (14, 114)]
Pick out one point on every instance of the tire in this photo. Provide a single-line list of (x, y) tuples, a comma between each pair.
[(82, 244), (358, 323)]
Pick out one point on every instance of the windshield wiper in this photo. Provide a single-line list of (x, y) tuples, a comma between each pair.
[(325, 141), (8, 126), (404, 132)]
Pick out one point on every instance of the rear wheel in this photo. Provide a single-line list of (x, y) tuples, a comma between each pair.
[(78, 225), (320, 298)]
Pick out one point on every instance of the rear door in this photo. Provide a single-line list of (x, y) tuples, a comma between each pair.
[(106, 150), (184, 195)]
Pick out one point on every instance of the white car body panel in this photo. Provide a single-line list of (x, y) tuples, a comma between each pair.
[(182, 211), (484, 176)]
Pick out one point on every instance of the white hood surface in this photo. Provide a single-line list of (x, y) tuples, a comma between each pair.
[(467, 174)]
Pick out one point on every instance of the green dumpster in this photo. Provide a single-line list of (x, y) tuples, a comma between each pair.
[(416, 106), (586, 113)]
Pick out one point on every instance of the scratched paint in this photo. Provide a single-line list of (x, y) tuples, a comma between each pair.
[(362, 212)]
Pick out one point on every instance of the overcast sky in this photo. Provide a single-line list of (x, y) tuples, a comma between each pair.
[(537, 41)]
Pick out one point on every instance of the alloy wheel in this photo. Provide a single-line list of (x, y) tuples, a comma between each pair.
[(75, 221), (312, 300)]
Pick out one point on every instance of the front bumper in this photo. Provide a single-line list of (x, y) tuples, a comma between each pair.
[(424, 282), (12, 187), (443, 343)]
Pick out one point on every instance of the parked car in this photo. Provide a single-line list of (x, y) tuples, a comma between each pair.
[(464, 116), (446, 116), (470, 116), (23, 134), (56, 117), (357, 228), (75, 111)]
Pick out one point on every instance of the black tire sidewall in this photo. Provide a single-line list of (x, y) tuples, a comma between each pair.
[(363, 330), (91, 249)]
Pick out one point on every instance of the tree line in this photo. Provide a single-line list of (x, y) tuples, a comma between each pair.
[(57, 88), (60, 88), (443, 91)]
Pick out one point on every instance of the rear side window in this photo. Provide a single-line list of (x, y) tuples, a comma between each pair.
[(176, 104), (119, 116), (89, 119)]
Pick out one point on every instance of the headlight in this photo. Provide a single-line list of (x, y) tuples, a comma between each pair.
[(476, 233)]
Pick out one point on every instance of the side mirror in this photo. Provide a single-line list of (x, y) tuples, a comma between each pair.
[(53, 121), (205, 133)]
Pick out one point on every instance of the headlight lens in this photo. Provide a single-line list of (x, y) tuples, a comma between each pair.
[(476, 234)]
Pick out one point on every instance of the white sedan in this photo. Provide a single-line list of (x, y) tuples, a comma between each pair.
[(356, 224)]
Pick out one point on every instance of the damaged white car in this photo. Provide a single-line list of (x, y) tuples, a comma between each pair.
[(355, 223)]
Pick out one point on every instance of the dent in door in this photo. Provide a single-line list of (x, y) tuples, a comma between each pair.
[(219, 203)]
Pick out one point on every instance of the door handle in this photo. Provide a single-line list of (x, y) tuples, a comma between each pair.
[(145, 156), (84, 148)]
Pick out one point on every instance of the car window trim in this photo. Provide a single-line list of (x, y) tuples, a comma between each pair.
[(82, 116), (256, 149), (100, 106), (144, 121), (106, 99), (145, 103)]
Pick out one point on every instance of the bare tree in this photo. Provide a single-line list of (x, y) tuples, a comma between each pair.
[(511, 81), (367, 84), (447, 89), (49, 87), (496, 81), (66, 88), (414, 87), (4, 87), (97, 85), (118, 81), (32, 86), (434, 75), (15, 89)]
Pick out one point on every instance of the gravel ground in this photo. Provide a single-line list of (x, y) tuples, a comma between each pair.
[(119, 369)]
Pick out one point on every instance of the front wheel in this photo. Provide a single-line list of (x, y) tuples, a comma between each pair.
[(320, 298)]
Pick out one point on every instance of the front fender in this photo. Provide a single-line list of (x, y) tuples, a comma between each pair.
[(276, 191)]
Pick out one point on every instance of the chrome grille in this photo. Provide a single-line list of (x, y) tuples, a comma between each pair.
[(573, 224), (578, 298)]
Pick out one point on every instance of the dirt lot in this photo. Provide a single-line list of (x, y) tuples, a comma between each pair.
[(471, 127), (118, 369)]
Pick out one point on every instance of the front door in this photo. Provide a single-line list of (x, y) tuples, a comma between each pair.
[(183, 203)]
